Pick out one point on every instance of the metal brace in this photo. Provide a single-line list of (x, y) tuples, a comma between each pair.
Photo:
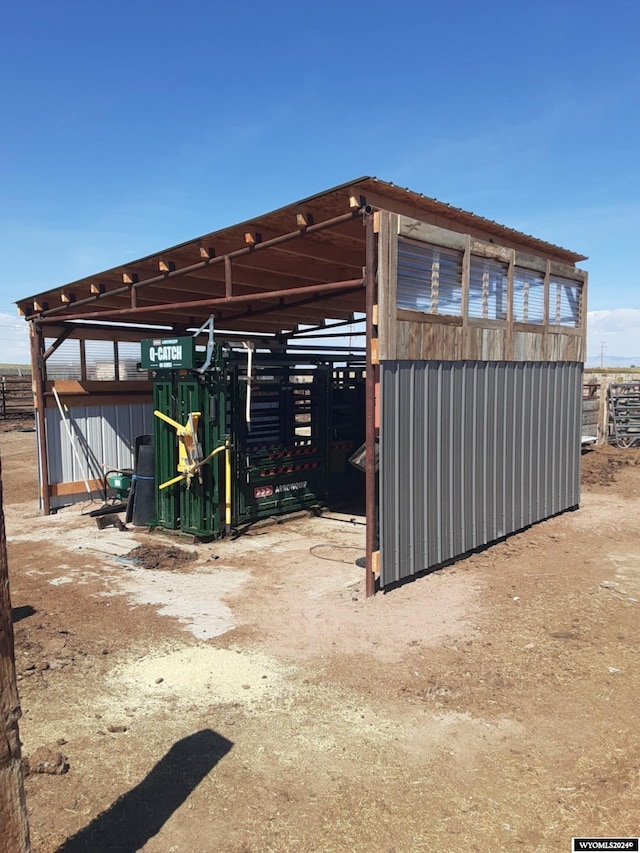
[(206, 326)]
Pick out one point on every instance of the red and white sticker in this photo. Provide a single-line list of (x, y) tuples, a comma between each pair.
[(263, 491)]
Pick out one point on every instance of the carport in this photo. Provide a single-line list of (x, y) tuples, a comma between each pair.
[(472, 337)]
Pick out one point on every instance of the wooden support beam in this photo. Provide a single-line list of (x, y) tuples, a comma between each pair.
[(376, 564), (252, 238), (246, 250), (80, 332), (166, 266), (342, 304), (38, 372), (130, 278), (97, 289), (545, 331), (371, 491), (58, 342), (75, 488), (207, 252), (40, 306), (13, 810), (304, 220), (67, 297), (282, 309), (83, 360), (509, 350), (328, 248), (228, 278), (335, 287)]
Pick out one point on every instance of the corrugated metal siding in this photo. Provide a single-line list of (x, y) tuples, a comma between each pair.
[(429, 278), (472, 451), (103, 435)]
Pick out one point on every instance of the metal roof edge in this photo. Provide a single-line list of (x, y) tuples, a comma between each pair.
[(488, 224), (169, 249)]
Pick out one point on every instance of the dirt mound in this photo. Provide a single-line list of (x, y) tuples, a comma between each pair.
[(600, 464), (45, 760), (165, 557)]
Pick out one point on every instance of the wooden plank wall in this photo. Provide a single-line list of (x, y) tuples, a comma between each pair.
[(404, 334), (592, 399)]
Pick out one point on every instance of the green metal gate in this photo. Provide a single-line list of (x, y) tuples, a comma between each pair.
[(280, 451), (289, 429), (192, 504)]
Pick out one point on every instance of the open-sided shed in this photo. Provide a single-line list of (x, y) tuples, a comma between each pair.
[(473, 334)]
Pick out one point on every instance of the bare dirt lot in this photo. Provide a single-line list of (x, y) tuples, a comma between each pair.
[(251, 699)]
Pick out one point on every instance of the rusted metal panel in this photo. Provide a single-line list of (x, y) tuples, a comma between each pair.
[(470, 452)]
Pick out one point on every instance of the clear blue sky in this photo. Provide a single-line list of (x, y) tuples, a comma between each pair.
[(126, 127)]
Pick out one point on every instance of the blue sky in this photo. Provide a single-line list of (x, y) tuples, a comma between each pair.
[(128, 127)]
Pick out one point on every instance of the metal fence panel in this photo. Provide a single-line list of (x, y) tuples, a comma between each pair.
[(470, 452)]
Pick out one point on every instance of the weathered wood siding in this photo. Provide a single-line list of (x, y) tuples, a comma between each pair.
[(454, 335)]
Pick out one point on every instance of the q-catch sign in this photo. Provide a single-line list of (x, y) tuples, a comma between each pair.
[(168, 353)]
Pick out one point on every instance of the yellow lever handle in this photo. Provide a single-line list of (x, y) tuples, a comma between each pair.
[(179, 428), (194, 467), (171, 482)]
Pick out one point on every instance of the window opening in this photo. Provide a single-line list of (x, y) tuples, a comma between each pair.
[(564, 301), (429, 278), (528, 296), (488, 280)]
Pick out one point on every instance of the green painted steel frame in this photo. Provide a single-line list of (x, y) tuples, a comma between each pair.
[(315, 421)]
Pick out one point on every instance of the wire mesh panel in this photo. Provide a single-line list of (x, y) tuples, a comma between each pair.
[(64, 363), (100, 360)]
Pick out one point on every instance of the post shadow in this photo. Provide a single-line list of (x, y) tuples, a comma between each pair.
[(138, 815), (23, 612)]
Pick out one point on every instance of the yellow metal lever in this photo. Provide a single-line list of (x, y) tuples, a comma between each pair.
[(181, 430), (168, 483), (189, 449)]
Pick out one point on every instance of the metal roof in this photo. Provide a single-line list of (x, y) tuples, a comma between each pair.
[(298, 265)]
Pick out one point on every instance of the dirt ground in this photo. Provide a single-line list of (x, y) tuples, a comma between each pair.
[(251, 699)]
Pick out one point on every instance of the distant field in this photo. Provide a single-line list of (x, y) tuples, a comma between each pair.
[(15, 369)]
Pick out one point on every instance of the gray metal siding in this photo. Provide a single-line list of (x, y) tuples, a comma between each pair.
[(104, 437), (470, 452)]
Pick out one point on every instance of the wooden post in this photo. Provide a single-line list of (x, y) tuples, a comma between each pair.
[(38, 373), (14, 836), (370, 417), (603, 413)]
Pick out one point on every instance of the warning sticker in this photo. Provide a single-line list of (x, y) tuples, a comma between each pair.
[(263, 491)]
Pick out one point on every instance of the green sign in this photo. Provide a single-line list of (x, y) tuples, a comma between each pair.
[(168, 353)]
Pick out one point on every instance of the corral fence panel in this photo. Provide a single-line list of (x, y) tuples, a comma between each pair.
[(16, 397)]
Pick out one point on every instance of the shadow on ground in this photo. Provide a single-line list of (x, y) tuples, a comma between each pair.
[(138, 815), (18, 613)]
